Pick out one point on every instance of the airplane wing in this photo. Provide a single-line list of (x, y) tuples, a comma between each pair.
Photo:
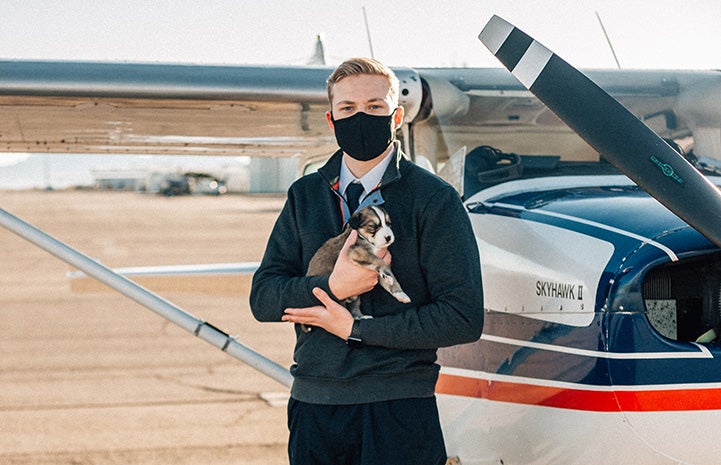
[(500, 109), (131, 108), (62, 107)]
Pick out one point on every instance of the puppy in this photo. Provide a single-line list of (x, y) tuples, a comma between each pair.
[(374, 234)]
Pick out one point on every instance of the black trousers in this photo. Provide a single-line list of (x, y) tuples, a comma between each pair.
[(397, 432)]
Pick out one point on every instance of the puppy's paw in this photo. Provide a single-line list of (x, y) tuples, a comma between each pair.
[(401, 297), (364, 317), (387, 278)]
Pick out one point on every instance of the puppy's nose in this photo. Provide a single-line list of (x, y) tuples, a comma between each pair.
[(389, 238)]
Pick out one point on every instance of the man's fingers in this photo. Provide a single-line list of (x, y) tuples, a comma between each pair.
[(302, 315), (331, 316), (323, 296)]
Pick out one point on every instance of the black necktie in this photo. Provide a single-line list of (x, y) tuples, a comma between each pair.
[(352, 194)]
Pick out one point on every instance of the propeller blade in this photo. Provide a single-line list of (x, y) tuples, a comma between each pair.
[(606, 125)]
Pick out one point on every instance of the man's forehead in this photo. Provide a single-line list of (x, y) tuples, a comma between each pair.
[(361, 88)]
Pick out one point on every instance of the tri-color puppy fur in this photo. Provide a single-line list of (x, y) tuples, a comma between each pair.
[(374, 234)]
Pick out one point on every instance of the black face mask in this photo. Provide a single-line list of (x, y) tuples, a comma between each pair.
[(364, 136)]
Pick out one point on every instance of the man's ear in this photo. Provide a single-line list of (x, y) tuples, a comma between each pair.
[(329, 118), (398, 117)]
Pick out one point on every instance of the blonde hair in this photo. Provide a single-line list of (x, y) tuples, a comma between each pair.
[(357, 66)]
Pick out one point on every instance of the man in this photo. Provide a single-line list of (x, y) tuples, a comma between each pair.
[(363, 390)]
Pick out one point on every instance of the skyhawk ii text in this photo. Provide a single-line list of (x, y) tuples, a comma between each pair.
[(559, 290)]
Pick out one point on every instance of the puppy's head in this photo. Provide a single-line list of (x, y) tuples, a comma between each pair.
[(374, 226)]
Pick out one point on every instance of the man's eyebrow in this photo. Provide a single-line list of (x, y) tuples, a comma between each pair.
[(370, 100)]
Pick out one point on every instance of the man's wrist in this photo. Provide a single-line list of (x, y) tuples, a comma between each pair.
[(326, 286), (331, 285), (355, 339)]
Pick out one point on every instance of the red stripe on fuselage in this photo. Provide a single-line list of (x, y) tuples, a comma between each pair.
[(581, 399)]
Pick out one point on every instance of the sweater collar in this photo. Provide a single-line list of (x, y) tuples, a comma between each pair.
[(331, 170)]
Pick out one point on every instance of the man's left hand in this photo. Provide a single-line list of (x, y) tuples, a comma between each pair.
[(331, 316)]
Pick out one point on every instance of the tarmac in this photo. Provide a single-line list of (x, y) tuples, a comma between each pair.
[(91, 377)]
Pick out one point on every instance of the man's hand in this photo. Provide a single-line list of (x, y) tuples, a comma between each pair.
[(331, 316), (348, 278)]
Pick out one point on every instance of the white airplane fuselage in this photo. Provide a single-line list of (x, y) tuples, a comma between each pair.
[(594, 297)]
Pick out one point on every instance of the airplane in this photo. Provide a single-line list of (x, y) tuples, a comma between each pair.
[(603, 303)]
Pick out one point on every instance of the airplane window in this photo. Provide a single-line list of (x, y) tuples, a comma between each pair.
[(683, 299)]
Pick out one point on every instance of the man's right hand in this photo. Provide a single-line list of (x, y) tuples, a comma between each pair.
[(348, 278)]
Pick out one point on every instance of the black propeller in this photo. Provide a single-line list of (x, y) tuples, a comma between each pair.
[(608, 127)]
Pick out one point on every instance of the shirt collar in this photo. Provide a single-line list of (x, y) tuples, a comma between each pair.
[(372, 178)]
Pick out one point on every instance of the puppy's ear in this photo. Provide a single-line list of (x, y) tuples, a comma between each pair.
[(354, 221)]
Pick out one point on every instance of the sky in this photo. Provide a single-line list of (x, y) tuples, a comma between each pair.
[(678, 34)]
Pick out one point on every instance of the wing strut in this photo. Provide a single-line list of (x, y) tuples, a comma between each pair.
[(162, 307)]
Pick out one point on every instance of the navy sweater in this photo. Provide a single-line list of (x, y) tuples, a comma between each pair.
[(436, 261)]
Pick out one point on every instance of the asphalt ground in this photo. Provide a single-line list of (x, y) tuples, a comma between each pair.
[(91, 377)]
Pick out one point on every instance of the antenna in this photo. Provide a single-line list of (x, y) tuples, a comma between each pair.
[(608, 41), (318, 57), (368, 32)]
